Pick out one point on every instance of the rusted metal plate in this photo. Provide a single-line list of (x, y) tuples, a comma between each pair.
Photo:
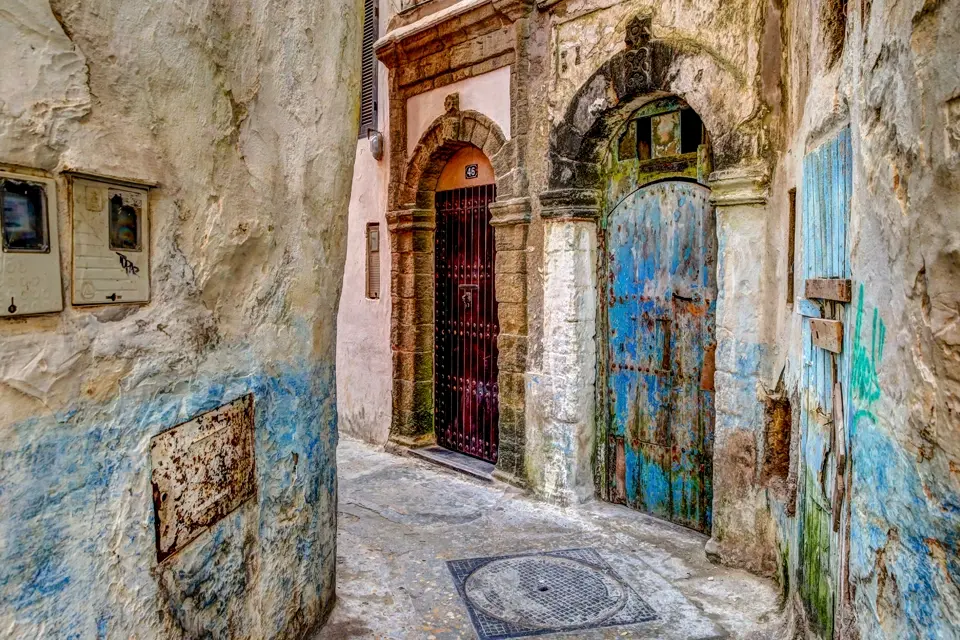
[(202, 470), (838, 289), (827, 334)]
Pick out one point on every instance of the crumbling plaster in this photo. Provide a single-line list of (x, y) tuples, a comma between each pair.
[(894, 84), (228, 107)]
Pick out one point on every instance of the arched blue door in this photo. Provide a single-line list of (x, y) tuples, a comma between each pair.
[(661, 307)]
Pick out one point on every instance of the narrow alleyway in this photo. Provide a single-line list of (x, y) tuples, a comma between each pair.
[(401, 520)]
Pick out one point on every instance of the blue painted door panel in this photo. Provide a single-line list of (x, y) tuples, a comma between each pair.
[(826, 191), (661, 305)]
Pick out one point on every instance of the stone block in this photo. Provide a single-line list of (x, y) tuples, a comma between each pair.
[(423, 241), (511, 238), (511, 287), (511, 352), (513, 318), (511, 262), (511, 388)]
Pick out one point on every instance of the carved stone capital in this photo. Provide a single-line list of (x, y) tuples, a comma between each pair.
[(510, 212), (412, 220), (740, 186), (570, 204)]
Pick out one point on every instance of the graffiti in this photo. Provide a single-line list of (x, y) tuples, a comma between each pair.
[(128, 265), (865, 379)]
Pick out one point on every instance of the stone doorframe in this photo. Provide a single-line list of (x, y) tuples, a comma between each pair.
[(412, 228), (571, 208)]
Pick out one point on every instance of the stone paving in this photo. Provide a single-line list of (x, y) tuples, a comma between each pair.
[(401, 520)]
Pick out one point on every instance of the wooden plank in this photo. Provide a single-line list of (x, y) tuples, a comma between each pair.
[(808, 308), (827, 334), (829, 289)]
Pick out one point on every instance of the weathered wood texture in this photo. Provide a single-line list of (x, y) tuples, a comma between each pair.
[(837, 289), (827, 334)]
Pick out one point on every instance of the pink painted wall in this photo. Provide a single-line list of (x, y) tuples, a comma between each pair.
[(488, 93)]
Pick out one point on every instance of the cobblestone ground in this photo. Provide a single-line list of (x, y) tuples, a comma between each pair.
[(401, 520)]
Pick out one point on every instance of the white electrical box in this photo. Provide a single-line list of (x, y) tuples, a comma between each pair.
[(30, 255), (111, 240)]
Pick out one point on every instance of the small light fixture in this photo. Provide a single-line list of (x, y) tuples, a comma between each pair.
[(375, 138)]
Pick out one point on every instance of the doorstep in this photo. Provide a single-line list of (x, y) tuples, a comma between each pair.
[(456, 461)]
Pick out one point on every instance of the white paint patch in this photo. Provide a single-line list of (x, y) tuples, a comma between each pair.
[(488, 93)]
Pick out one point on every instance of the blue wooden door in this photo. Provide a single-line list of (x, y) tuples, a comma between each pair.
[(660, 304), (826, 190)]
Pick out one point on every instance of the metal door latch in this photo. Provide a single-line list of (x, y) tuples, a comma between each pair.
[(467, 296)]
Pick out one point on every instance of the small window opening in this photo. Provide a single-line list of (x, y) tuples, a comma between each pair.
[(373, 261), (691, 131), (125, 210), (23, 207), (644, 138), (791, 245)]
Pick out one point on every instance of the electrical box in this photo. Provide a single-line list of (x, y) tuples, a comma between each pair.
[(111, 240), (30, 255)]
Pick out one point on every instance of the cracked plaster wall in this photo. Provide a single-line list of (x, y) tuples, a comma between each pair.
[(228, 106), (898, 85)]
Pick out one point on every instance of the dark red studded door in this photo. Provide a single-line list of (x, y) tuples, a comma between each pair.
[(465, 393)]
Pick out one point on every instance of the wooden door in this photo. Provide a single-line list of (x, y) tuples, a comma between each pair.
[(466, 394), (826, 190), (660, 305)]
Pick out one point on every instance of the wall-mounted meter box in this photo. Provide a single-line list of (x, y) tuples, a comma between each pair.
[(30, 255), (111, 240)]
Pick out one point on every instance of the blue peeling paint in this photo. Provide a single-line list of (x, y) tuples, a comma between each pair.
[(77, 547)]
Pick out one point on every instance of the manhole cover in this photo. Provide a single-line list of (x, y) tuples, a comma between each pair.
[(545, 592), (527, 595)]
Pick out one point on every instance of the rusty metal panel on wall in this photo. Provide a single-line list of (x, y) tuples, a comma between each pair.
[(201, 470)]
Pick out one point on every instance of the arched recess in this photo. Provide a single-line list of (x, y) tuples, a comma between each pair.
[(571, 207), (657, 310), (649, 69), (412, 226)]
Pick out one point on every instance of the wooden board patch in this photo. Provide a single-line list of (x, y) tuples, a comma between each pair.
[(829, 289), (827, 334)]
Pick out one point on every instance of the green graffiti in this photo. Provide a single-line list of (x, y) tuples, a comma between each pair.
[(865, 379)]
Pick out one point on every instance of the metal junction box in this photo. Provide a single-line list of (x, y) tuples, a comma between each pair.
[(111, 240), (30, 280)]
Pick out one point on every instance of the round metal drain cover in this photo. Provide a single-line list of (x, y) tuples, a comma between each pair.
[(545, 592)]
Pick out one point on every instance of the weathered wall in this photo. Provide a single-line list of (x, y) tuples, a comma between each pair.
[(364, 358), (898, 85), (228, 106)]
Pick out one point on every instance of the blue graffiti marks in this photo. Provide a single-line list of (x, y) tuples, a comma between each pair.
[(660, 302), (77, 545)]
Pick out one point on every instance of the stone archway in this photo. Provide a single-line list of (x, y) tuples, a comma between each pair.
[(648, 69), (412, 227)]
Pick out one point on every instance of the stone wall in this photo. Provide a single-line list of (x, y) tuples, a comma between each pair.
[(228, 107)]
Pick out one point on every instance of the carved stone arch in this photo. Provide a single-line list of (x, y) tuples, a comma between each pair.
[(446, 135), (649, 69), (731, 107), (412, 226)]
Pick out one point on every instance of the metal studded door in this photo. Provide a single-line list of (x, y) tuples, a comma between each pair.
[(826, 191), (466, 394), (660, 312)]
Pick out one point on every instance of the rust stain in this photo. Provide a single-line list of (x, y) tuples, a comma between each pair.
[(202, 470)]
